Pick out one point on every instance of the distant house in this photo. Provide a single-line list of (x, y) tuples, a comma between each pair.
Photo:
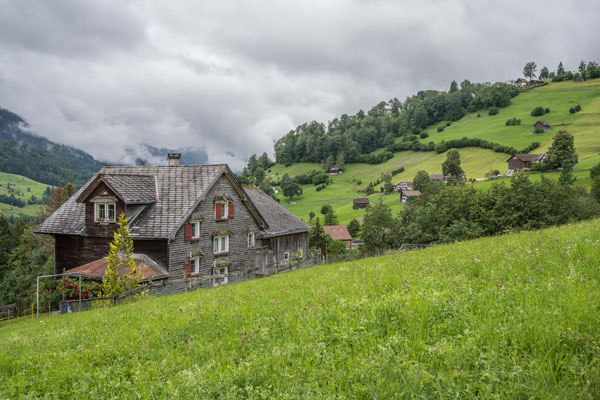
[(437, 177), (521, 162), (404, 185), (579, 78), (521, 82), (541, 125), (406, 194), (535, 83), (361, 202), (339, 232), (335, 171)]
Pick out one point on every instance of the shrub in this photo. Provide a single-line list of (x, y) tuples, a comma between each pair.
[(478, 115), (577, 108), (546, 110), (538, 111), (448, 123), (423, 135), (572, 110), (440, 128), (325, 209), (492, 111), (513, 121)]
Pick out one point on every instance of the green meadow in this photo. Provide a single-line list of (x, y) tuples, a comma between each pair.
[(559, 97), (513, 316), (24, 188)]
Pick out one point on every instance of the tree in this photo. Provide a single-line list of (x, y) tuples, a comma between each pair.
[(290, 186), (566, 176), (530, 69), (388, 186), (59, 195), (121, 272), (311, 215), (595, 171), (451, 166), (266, 188), (259, 175), (325, 209), (379, 231), (265, 162), (560, 70), (317, 239), (354, 227), (582, 67), (544, 73), (421, 180), (453, 87), (330, 218), (562, 151), (595, 191)]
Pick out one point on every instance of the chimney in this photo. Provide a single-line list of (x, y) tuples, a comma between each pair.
[(174, 159)]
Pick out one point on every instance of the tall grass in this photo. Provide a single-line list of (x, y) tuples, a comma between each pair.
[(515, 316)]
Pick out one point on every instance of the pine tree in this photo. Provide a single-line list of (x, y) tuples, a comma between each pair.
[(330, 218), (121, 273), (560, 70)]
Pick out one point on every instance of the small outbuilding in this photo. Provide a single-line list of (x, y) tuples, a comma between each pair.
[(541, 125), (361, 202), (521, 82), (335, 171), (339, 232)]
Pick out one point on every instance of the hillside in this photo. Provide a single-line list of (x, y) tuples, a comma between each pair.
[(23, 189), (512, 316), (38, 158), (559, 97)]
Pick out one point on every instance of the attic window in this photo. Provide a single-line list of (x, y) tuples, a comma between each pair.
[(104, 212)]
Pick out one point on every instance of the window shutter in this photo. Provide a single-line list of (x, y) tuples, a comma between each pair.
[(230, 211), (218, 211), (187, 268), (188, 232)]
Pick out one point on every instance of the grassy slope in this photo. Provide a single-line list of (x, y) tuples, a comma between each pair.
[(559, 97), (21, 185), (514, 316)]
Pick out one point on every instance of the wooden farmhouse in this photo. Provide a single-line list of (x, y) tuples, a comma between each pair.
[(406, 194), (339, 232), (403, 185), (360, 202), (437, 177), (521, 162), (192, 226), (335, 171), (521, 82)]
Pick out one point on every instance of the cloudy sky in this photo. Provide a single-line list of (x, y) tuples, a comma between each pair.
[(233, 76)]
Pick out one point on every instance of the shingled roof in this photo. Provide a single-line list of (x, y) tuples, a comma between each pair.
[(177, 190), (280, 220), (528, 157), (147, 267)]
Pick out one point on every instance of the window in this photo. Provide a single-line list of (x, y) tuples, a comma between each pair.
[(105, 212), (195, 265), (195, 229), (222, 278), (220, 244), (221, 210), (251, 239), (286, 256)]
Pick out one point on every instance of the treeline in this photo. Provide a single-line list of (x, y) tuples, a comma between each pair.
[(442, 146), (449, 213), (355, 138)]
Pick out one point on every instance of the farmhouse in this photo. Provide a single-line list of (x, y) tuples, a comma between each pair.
[(520, 162), (403, 185), (521, 82), (191, 226), (541, 125), (335, 171), (437, 177), (360, 202), (406, 194), (339, 232)]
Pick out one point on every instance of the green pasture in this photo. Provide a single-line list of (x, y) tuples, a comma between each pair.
[(24, 188), (507, 317)]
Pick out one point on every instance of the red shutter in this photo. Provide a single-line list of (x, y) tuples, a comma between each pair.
[(218, 211), (187, 268), (230, 212), (188, 231)]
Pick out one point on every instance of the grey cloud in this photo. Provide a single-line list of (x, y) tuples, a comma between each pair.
[(231, 77)]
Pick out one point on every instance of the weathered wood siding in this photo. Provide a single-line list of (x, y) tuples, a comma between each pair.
[(240, 256), (104, 229)]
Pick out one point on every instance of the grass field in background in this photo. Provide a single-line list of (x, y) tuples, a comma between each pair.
[(24, 188), (513, 316)]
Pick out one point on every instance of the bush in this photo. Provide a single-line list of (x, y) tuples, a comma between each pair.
[(546, 110), (492, 111), (325, 209), (513, 121), (577, 108), (478, 115), (423, 135), (538, 111), (558, 78), (448, 123), (572, 110), (440, 128)]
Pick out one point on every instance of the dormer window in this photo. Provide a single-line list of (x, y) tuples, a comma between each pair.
[(104, 212)]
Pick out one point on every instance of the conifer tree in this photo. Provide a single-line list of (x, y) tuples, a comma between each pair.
[(121, 273)]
